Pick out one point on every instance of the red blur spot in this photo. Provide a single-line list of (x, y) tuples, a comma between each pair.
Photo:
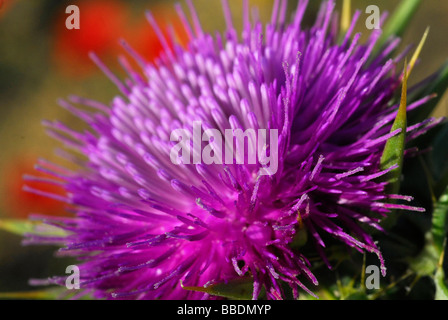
[(5, 5), (20, 203), (102, 24)]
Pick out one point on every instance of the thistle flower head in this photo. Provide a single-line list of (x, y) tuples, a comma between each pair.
[(143, 226)]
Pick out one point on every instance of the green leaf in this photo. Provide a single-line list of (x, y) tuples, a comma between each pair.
[(439, 279), (398, 22), (440, 221), (441, 287), (17, 226), (394, 149), (239, 289), (22, 227), (48, 294), (346, 17)]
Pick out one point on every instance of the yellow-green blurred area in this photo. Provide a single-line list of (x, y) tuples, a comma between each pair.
[(41, 61)]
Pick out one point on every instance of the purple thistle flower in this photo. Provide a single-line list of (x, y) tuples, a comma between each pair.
[(143, 226)]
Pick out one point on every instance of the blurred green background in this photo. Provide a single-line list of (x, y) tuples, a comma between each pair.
[(41, 61)]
